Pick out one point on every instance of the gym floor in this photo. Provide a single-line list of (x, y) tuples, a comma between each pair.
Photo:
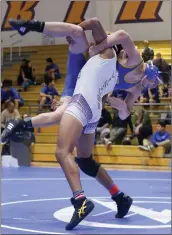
[(36, 200)]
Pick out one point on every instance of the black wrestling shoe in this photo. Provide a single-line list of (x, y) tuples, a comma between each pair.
[(20, 25), (124, 203), (83, 207), (25, 26), (13, 126)]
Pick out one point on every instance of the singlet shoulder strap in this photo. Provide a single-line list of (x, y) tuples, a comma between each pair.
[(131, 67), (139, 63)]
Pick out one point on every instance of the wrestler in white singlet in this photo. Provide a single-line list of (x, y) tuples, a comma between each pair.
[(96, 79)]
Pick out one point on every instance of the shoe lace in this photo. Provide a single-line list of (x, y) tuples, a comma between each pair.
[(81, 211)]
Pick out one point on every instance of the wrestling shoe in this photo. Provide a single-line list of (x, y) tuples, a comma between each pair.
[(25, 26), (83, 207), (13, 126), (124, 203)]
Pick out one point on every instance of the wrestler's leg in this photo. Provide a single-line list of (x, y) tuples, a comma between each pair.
[(69, 133), (98, 31), (66, 142), (84, 150), (92, 168), (49, 119), (61, 29), (56, 29), (74, 65)]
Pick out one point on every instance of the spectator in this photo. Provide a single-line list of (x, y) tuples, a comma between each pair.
[(143, 127), (21, 76), (160, 138), (148, 52), (10, 94), (31, 72), (119, 129), (26, 75), (154, 95), (103, 127), (163, 67), (150, 95), (166, 91), (166, 117), (52, 70), (9, 113), (48, 93)]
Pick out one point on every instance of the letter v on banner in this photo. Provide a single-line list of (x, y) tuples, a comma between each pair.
[(76, 12), (139, 12), (18, 10)]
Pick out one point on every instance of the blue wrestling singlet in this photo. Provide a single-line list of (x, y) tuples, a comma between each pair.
[(74, 65), (122, 84)]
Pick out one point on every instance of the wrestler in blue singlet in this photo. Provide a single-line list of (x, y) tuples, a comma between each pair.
[(74, 65), (122, 72), (151, 73)]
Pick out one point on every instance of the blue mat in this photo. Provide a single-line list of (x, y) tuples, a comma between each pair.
[(37, 200)]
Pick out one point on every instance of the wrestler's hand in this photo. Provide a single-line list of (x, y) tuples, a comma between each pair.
[(55, 104), (117, 103), (120, 105)]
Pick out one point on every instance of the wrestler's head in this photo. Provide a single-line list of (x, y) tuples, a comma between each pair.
[(50, 82), (151, 75)]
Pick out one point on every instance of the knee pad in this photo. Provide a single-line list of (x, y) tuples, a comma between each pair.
[(88, 165)]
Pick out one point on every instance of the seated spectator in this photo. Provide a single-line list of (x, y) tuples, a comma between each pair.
[(26, 75), (154, 95), (148, 52), (160, 138), (52, 70), (163, 67), (143, 127), (48, 93), (103, 127), (166, 117), (10, 112), (10, 94), (150, 95), (20, 78), (166, 90), (119, 129)]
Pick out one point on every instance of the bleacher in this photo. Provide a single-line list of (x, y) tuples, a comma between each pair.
[(44, 149)]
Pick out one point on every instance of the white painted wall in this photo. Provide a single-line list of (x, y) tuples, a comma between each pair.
[(106, 10)]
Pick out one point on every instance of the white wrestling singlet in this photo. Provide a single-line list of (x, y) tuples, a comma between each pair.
[(96, 79)]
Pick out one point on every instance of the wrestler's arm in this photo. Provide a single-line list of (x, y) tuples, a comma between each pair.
[(119, 37), (50, 118), (125, 106), (131, 99)]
